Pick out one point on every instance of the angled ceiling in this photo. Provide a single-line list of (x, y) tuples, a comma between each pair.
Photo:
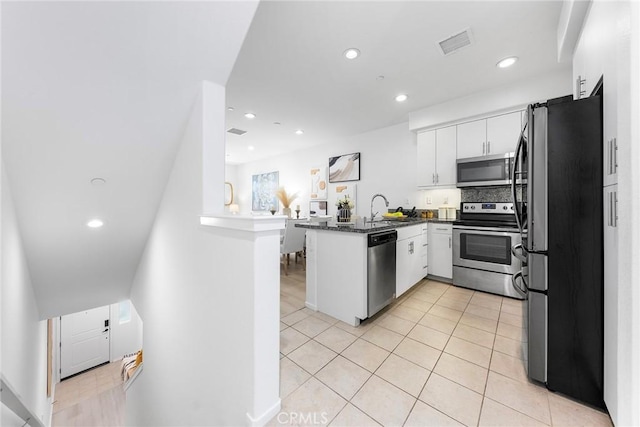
[(101, 89), (291, 68)]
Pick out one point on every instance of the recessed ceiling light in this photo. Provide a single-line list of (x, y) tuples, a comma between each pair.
[(95, 223), (380, 77), (230, 108), (507, 62), (250, 115), (98, 181), (277, 123), (251, 148), (402, 97), (351, 53), (299, 132)]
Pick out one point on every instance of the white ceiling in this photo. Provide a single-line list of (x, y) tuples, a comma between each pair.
[(291, 68), (101, 89)]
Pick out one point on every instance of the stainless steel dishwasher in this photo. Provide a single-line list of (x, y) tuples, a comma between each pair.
[(381, 270)]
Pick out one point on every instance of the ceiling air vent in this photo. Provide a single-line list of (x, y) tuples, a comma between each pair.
[(236, 131), (456, 42)]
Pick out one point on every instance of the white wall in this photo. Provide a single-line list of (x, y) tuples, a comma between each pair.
[(197, 344), (126, 338), (24, 336), (387, 165), (506, 98)]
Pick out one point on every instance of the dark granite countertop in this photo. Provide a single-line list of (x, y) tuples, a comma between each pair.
[(370, 227)]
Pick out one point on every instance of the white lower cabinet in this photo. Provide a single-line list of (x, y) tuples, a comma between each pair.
[(408, 258), (424, 253), (440, 253), (611, 293)]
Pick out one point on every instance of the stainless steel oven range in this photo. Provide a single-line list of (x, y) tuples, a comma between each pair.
[(482, 254)]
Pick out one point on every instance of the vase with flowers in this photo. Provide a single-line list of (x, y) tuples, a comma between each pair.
[(344, 206), (286, 200)]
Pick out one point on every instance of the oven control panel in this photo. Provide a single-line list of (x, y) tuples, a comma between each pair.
[(487, 208)]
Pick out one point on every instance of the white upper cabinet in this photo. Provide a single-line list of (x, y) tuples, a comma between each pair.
[(437, 157), (446, 156), (494, 135), (427, 159), (598, 55), (472, 139), (503, 133)]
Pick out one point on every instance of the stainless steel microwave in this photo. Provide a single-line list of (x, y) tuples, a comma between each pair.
[(484, 170)]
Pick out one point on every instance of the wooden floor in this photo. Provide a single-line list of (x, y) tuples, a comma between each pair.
[(292, 288), (94, 398)]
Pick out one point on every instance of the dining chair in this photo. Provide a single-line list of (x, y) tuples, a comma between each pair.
[(293, 242)]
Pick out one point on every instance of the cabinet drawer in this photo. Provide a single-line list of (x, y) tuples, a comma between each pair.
[(441, 228), (409, 231)]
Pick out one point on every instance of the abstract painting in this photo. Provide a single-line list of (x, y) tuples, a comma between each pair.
[(344, 168), (263, 191), (319, 185)]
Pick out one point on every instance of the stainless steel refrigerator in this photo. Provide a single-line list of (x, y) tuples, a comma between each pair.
[(557, 183)]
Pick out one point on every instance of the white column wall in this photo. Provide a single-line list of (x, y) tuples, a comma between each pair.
[(195, 291)]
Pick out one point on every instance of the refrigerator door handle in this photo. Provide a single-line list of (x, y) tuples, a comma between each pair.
[(514, 174), (521, 256), (514, 283)]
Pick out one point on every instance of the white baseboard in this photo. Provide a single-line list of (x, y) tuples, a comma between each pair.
[(266, 416), (310, 306)]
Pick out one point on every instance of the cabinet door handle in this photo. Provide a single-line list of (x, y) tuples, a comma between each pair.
[(484, 145), (610, 147), (610, 209), (614, 142), (615, 208), (437, 178), (433, 178), (449, 242), (410, 248), (488, 147)]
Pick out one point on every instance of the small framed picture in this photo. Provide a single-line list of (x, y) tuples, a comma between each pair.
[(317, 208), (344, 168)]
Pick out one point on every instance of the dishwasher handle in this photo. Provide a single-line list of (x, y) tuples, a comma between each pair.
[(376, 239)]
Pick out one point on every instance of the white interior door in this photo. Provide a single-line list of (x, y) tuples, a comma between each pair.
[(84, 340)]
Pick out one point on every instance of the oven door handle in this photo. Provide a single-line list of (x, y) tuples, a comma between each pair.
[(520, 255), (514, 283)]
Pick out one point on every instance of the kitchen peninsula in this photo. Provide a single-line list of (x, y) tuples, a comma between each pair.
[(346, 270)]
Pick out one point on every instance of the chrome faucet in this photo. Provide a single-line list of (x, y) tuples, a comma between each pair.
[(386, 202)]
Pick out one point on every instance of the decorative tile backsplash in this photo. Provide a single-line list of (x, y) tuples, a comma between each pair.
[(486, 194)]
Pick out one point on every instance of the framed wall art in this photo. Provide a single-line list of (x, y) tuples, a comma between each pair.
[(319, 185), (348, 191), (263, 191), (317, 207), (344, 168)]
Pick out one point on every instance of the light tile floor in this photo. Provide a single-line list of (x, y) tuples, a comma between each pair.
[(440, 355)]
